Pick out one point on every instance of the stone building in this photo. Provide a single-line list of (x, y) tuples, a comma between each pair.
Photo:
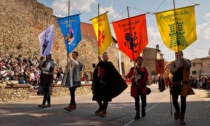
[(200, 67), (23, 20), (150, 55)]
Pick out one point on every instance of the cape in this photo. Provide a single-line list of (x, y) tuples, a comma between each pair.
[(114, 80)]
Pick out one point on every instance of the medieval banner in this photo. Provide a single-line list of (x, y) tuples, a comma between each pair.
[(177, 27), (46, 40), (70, 27), (159, 66), (102, 31), (131, 34)]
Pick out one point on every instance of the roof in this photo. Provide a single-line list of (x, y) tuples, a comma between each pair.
[(87, 29), (207, 57), (196, 61)]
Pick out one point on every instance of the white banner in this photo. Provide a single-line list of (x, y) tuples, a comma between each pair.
[(46, 40)]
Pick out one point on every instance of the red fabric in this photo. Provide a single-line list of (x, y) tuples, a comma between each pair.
[(159, 66), (134, 91), (141, 82), (131, 34)]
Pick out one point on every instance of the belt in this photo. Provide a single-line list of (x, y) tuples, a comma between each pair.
[(177, 83), (180, 82), (185, 82)]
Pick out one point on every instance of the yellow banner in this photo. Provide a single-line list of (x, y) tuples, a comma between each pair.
[(102, 31), (177, 27)]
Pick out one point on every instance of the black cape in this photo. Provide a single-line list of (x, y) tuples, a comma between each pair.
[(109, 85)]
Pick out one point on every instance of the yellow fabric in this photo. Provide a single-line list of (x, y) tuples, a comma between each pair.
[(178, 31), (102, 31), (186, 90)]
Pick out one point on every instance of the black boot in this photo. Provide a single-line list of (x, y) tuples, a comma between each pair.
[(43, 102), (176, 114), (143, 113), (100, 109), (181, 119), (137, 116), (48, 100)]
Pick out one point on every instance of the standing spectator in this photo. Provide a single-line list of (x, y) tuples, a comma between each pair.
[(161, 83)]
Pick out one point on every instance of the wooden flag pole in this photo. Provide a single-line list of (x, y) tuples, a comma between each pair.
[(98, 37), (68, 24), (130, 33), (98, 27)]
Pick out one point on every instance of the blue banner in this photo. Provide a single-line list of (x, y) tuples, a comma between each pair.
[(70, 27)]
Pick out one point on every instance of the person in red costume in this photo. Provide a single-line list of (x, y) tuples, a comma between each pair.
[(139, 77)]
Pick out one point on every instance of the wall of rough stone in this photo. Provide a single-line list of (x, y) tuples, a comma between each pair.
[(15, 93), (59, 90), (23, 20)]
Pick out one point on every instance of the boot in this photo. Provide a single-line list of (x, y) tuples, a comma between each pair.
[(99, 110), (102, 113), (41, 105), (143, 114), (43, 102), (176, 115), (181, 119), (137, 116), (68, 108), (73, 107), (48, 100)]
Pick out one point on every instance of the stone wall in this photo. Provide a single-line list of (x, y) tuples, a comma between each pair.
[(19, 92), (59, 90), (23, 20)]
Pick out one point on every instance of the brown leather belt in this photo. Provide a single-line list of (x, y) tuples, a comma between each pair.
[(177, 83), (185, 82), (180, 82)]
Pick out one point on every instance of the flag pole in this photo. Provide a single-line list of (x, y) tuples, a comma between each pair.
[(98, 27), (134, 65), (98, 35), (171, 111), (175, 22), (68, 23), (130, 33)]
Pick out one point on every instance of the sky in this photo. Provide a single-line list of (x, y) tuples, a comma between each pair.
[(118, 10)]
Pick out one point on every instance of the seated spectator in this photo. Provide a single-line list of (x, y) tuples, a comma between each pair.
[(3, 72)]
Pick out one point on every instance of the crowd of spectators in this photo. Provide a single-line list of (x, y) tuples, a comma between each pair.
[(24, 70), (200, 82)]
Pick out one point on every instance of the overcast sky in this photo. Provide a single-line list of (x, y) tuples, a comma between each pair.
[(118, 10)]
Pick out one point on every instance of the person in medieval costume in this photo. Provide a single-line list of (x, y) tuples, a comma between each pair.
[(139, 77), (72, 78), (46, 78), (180, 69), (107, 84), (161, 83)]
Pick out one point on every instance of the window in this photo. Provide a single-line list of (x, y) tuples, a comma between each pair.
[(209, 65), (194, 72), (193, 64), (201, 64)]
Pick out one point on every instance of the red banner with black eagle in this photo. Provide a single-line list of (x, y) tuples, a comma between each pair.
[(131, 34), (159, 66)]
